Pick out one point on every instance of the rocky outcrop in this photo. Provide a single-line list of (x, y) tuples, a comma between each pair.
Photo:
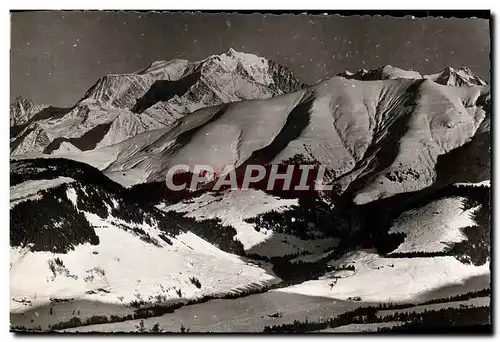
[(31, 139), (22, 110)]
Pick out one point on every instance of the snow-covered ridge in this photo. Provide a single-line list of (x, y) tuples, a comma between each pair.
[(29, 190), (462, 76), (165, 91), (449, 76), (438, 119), (168, 90), (382, 73)]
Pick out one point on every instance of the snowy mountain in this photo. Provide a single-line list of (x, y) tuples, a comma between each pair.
[(393, 144), (382, 73), (460, 77), (408, 219), (118, 107)]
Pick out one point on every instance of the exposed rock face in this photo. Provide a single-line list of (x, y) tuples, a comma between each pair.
[(284, 80), (30, 140), (158, 95), (22, 110)]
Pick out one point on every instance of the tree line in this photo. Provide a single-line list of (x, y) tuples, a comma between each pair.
[(368, 314)]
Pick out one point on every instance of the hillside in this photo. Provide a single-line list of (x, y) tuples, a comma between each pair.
[(64, 236), (376, 138)]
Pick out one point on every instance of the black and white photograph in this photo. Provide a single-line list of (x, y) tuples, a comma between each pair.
[(196, 172)]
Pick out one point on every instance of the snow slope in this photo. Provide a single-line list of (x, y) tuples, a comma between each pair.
[(378, 279), (83, 238), (129, 261), (101, 158), (234, 207), (378, 137), (30, 189), (129, 270), (433, 227), (66, 148)]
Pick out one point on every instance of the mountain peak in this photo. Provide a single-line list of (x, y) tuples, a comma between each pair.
[(22, 109), (231, 51), (235, 53), (163, 92), (20, 99), (463, 76)]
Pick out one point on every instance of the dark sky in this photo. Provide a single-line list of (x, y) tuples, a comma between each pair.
[(57, 56)]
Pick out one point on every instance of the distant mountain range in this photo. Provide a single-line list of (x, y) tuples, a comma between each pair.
[(118, 107)]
